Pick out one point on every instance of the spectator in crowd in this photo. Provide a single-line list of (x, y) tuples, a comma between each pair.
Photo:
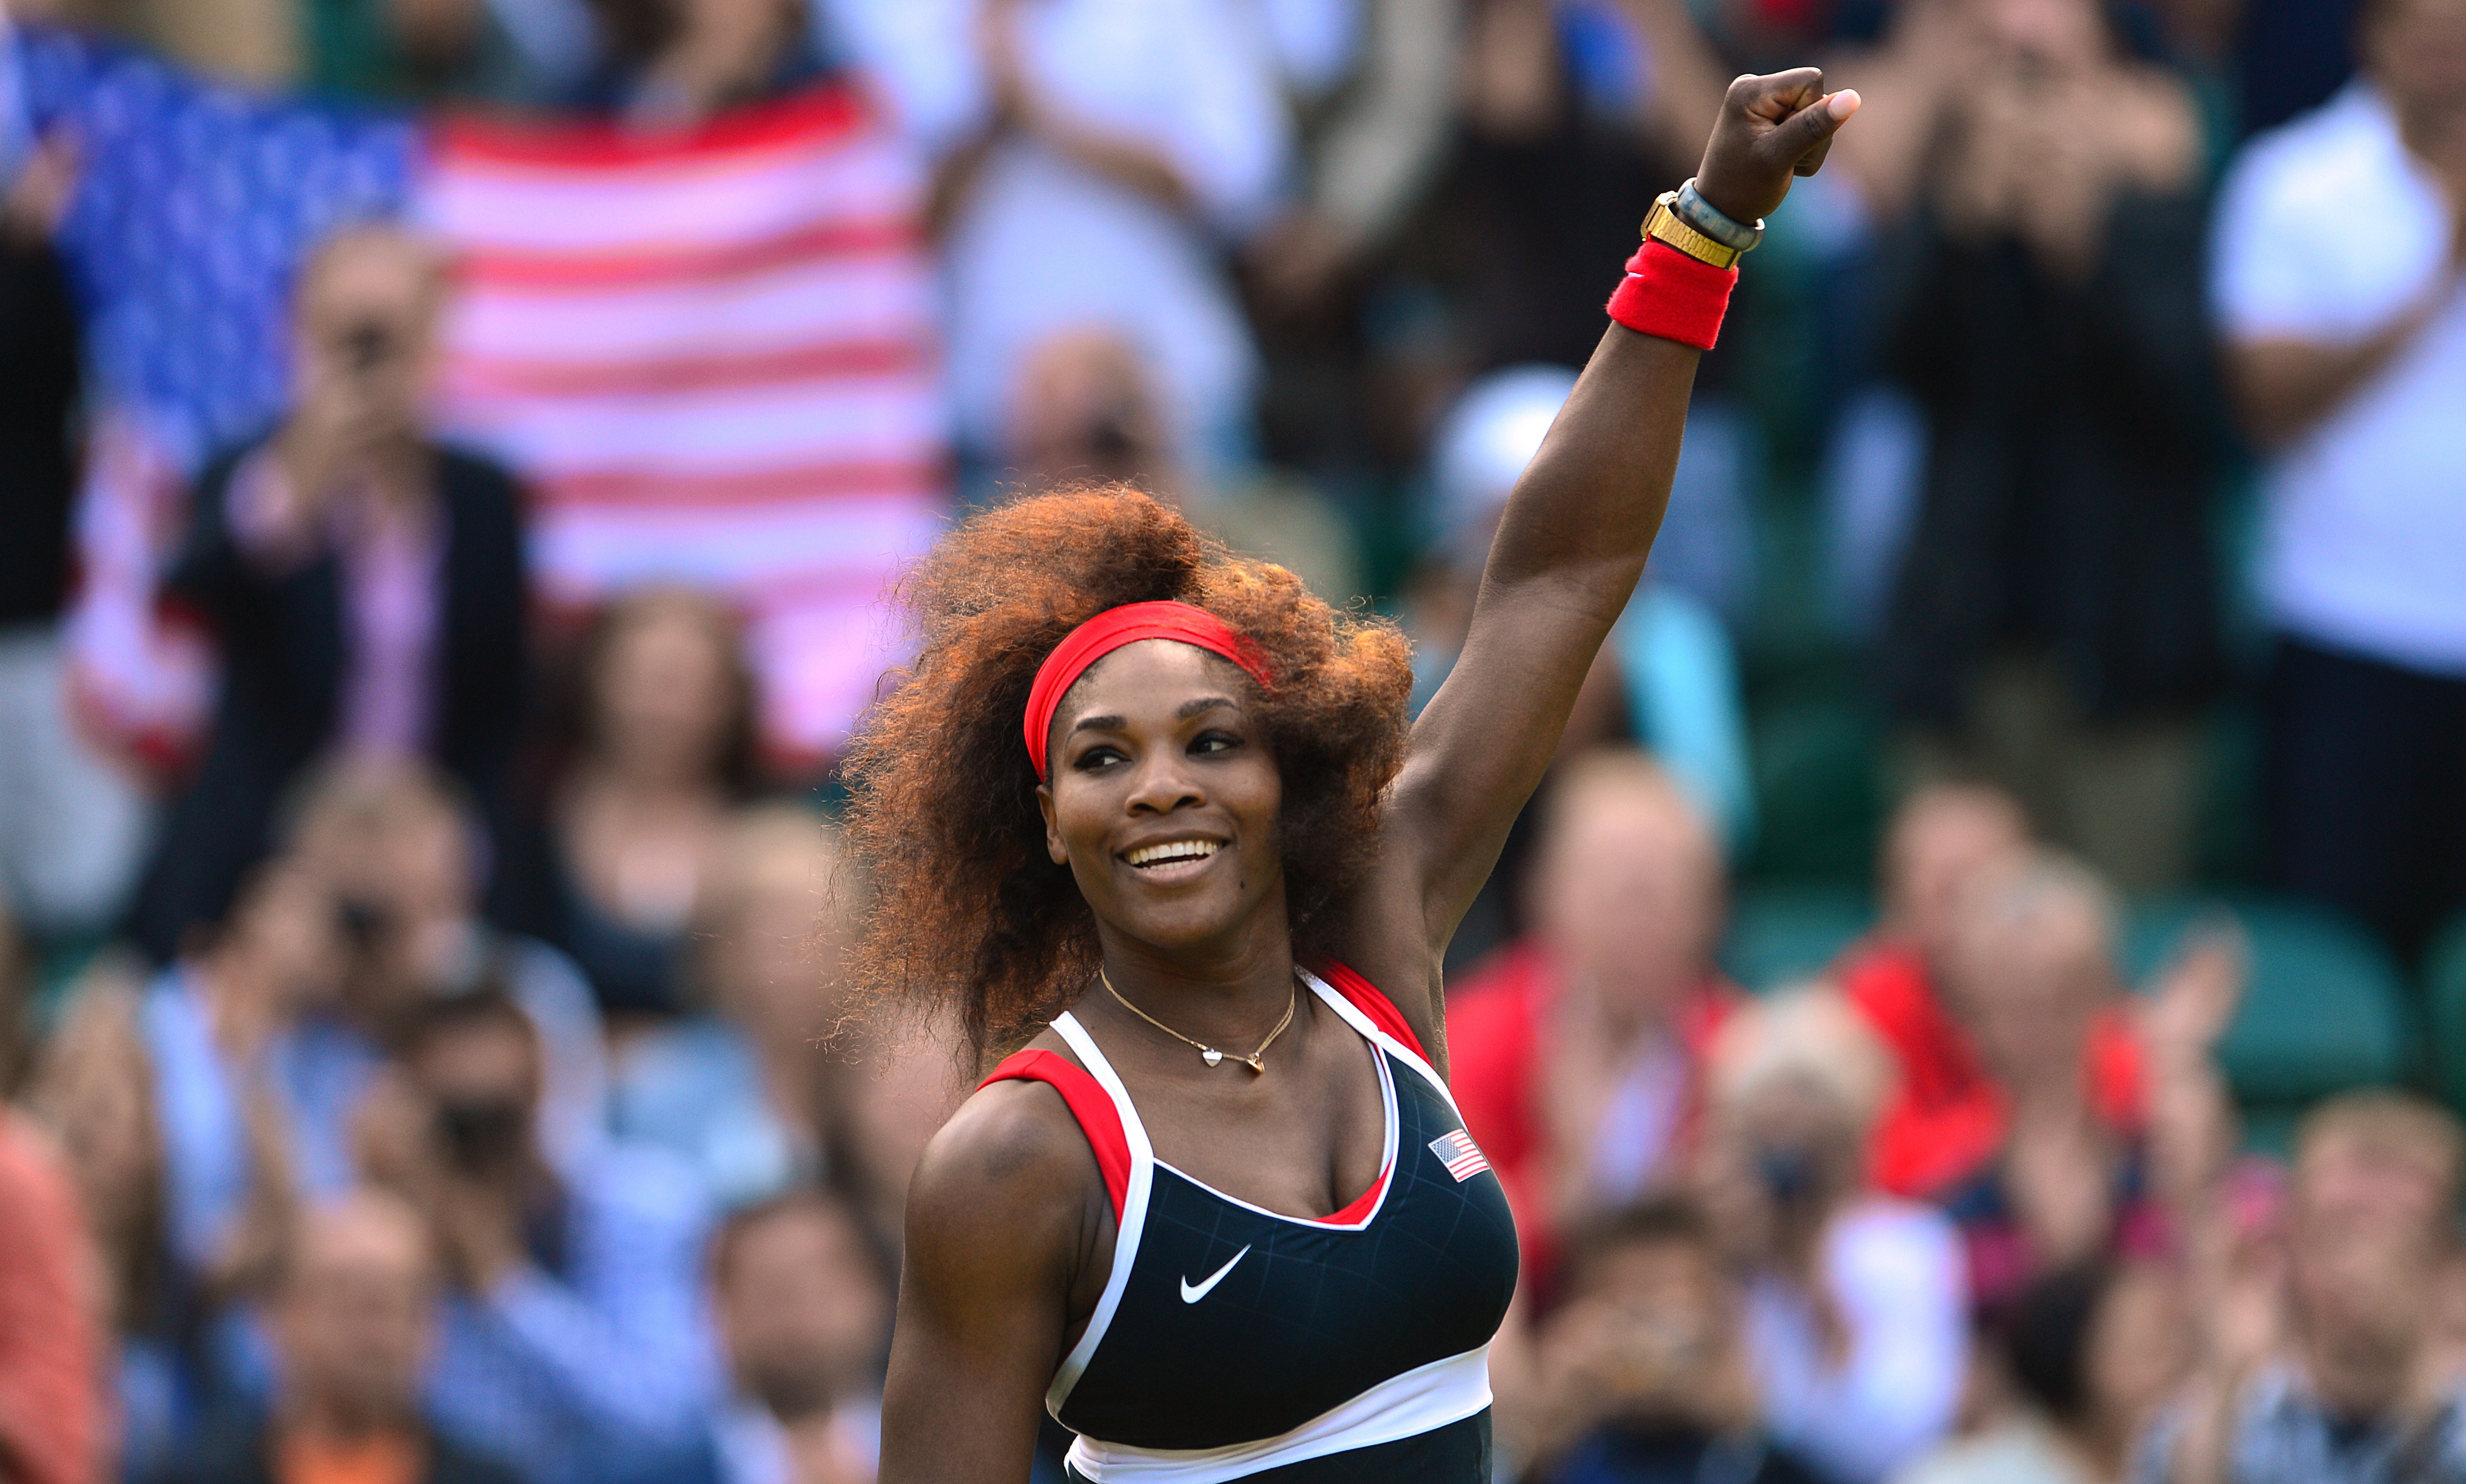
[(197, 1111), (246, 1085), (2349, 364), (1086, 412), (367, 585), (572, 1344), (1944, 842), (1857, 1313), (401, 850), (1667, 678), (2053, 624), (1579, 1053), (2349, 1394), (72, 830), (671, 63), (52, 1403), (352, 1313), (803, 1302), (664, 751), (2100, 1153), (2032, 968), (780, 1085), (1643, 1372), (1114, 147), (204, 1109), (2094, 1352), (746, 1093), (1952, 847)]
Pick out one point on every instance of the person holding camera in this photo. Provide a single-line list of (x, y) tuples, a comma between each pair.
[(572, 1343), (1856, 1307), (367, 585)]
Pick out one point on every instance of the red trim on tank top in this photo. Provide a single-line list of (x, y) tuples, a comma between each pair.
[(1359, 1210), (1381, 1010), (1089, 1103)]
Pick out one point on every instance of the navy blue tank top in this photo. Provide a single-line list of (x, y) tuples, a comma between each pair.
[(1232, 1343)]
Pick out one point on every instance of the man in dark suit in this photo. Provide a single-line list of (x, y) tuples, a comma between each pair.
[(365, 585), (352, 1316)]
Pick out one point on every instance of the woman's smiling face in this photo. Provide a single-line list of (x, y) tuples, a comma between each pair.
[(1163, 796)]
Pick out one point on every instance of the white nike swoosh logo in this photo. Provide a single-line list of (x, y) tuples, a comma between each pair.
[(1192, 1296)]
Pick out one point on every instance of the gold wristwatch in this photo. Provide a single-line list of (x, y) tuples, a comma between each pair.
[(1664, 225)]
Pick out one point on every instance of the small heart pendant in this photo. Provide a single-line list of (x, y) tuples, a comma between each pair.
[(1213, 1057), (1256, 1065)]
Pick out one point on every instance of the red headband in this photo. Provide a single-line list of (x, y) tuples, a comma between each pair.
[(1110, 629)]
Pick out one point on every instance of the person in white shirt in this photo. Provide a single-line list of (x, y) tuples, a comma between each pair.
[(1099, 157), (2339, 278)]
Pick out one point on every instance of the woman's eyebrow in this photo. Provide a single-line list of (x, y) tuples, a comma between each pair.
[(1108, 723)]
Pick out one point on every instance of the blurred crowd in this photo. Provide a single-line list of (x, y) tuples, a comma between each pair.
[(418, 927)]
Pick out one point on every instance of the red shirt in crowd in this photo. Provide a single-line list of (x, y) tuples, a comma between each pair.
[(1946, 1121), (1498, 1021)]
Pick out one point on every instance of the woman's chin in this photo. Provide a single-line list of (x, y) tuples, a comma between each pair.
[(1202, 922)]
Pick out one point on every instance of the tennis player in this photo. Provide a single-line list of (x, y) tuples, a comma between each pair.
[(1153, 815)]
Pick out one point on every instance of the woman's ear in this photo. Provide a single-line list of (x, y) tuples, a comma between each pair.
[(1053, 844)]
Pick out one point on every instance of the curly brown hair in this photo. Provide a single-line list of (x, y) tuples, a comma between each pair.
[(969, 912)]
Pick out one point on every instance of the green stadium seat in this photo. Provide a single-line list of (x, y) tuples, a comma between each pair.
[(2325, 1010), (1779, 934), (1815, 771)]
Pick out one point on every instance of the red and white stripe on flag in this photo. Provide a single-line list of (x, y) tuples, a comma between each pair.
[(712, 356), (1461, 1157)]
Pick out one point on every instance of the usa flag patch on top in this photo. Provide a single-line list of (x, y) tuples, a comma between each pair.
[(1461, 1157)]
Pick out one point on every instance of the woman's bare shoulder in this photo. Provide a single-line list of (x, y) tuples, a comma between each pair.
[(1010, 1168), (1013, 1133)]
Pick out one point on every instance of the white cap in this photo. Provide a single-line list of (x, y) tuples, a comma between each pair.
[(1484, 444)]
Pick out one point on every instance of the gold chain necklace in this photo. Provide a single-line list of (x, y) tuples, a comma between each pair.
[(1208, 1054)]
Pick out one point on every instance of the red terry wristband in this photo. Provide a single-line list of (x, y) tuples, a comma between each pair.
[(1673, 296)]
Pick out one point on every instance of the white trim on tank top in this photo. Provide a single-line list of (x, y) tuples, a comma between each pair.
[(1422, 1400), (1359, 1019), (1134, 1209)]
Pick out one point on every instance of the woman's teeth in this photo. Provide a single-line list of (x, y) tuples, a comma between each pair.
[(1170, 850)]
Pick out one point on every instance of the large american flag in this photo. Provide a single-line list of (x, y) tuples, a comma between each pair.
[(711, 354)]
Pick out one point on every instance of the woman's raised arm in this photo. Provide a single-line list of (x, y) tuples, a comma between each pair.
[(1569, 550)]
